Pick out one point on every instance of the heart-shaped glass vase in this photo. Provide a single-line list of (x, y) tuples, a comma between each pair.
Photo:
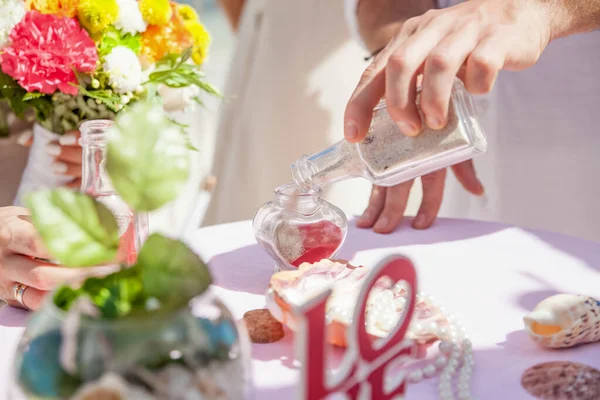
[(298, 227)]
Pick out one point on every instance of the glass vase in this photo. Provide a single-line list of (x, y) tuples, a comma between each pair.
[(196, 352), (133, 227), (299, 226)]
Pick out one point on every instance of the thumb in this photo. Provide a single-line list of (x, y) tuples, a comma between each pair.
[(22, 238), (466, 175)]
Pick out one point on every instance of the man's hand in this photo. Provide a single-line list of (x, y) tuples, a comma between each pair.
[(475, 40), (20, 246), (387, 205)]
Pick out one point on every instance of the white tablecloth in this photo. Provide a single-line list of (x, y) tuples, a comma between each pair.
[(488, 275)]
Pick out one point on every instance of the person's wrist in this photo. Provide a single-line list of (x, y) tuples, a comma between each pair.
[(375, 30), (551, 17), (379, 20)]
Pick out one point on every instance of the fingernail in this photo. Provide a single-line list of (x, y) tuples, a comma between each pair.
[(366, 216), (382, 223), (407, 129), (351, 131), (67, 140), (59, 168), (24, 137), (480, 190), (420, 221), (434, 122), (480, 187), (53, 149)]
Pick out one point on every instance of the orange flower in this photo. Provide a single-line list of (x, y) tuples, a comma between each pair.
[(60, 8), (160, 40)]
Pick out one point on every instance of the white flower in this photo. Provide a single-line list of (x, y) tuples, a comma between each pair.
[(130, 18), (11, 13), (178, 99), (124, 69)]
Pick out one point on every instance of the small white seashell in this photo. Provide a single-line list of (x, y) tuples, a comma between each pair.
[(111, 386), (564, 320)]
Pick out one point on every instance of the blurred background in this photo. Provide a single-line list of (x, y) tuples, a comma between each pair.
[(203, 124), (286, 82)]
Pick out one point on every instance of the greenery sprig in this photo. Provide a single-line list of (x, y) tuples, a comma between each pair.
[(176, 72)]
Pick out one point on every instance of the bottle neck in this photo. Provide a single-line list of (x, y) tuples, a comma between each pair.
[(95, 180), (290, 197), (335, 163)]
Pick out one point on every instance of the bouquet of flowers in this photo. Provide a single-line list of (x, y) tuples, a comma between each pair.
[(77, 60)]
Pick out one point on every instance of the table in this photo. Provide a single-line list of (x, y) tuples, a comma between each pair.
[(488, 275)]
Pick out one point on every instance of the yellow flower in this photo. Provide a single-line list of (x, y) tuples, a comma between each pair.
[(172, 38), (187, 12), (156, 12), (202, 41), (97, 15), (61, 8)]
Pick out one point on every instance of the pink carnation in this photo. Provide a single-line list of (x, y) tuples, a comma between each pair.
[(44, 50)]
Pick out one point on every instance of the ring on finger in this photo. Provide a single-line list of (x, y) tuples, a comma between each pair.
[(18, 291)]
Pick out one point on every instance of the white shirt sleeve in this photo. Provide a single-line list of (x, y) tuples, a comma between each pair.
[(350, 7)]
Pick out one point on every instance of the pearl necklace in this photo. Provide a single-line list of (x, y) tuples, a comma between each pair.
[(456, 354)]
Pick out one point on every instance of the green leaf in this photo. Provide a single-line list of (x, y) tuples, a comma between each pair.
[(106, 97), (112, 38), (171, 272), (14, 94), (32, 95), (78, 230), (117, 294), (185, 55), (65, 296), (190, 146), (168, 60), (147, 158), (174, 72)]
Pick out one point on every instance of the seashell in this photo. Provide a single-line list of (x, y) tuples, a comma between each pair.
[(562, 380), (386, 303), (111, 386), (209, 382), (564, 320)]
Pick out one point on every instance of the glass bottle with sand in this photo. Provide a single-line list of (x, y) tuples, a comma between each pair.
[(387, 157)]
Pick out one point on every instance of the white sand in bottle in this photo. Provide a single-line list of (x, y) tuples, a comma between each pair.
[(288, 242), (386, 147)]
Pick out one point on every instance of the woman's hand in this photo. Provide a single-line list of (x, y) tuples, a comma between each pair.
[(67, 154), (68, 157), (20, 246)]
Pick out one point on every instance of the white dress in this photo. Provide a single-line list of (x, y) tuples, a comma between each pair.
[(542, 168), (294, 69)]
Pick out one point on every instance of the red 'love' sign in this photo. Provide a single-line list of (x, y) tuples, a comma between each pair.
[(363, 369)]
